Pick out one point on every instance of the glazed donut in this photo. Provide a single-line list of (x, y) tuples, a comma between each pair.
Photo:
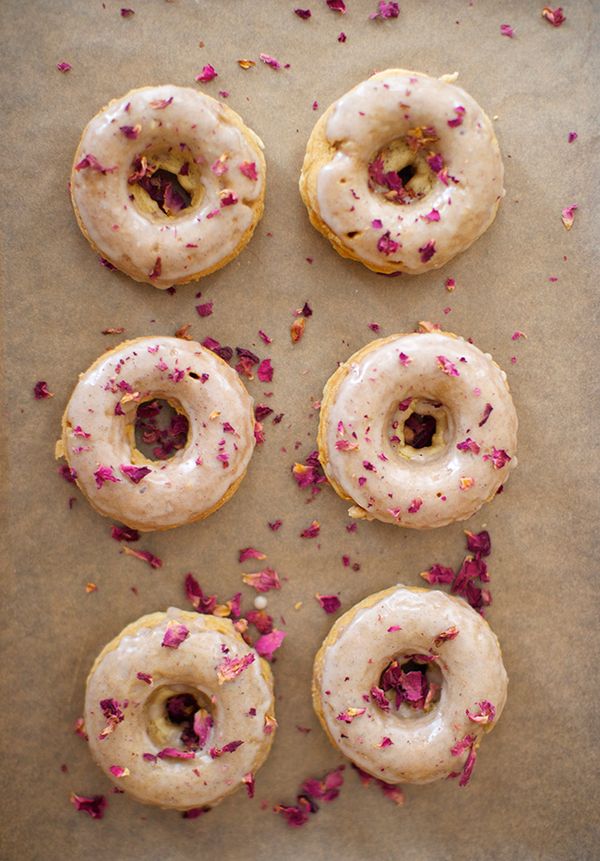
[(168, 184), (419, 430), (98, 433), (179, 711), (426, 739), (403, 172)]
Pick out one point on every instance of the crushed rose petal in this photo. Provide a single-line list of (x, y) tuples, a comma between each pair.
[(330, 603)]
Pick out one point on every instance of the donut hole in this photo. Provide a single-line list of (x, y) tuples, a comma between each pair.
[(165, 189), (164, 184), (400, 174), (418, 428), (179, 716), (412, 684), (161, 430)]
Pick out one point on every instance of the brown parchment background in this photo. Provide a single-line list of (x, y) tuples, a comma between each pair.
[(535, 786)]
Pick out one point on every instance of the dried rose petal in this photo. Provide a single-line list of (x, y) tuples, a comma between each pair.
[(479, 542), (486, 714), (450, 634), (41, 391), (302, 13), (131, 132), (311, 531), (487, 411), (431, 216), (427, 251), (326, 788), (119, 771), (124, 533), (568, 215), (248, 781), (207, 74), (297, 329), (458, 120), (468, 444), (90, 161), (385, 9), (94, 806), (144, 677), (205, 310), (295, 815), (330, 603), (386, 245), (64, 66), (113, 713), (350, 714), (269, 643), (174, 635), (127, 13), (507, 30), (438, 574), (499, 457), (379, 697), (572, 137), (135, 473), (270, 61), (248, 169), (265, 371), (555, 17), (250, 553), (342, 37), (263, 581), (337, 6), (144, 555), (231, 668), (175, 753), (447, 366), (103, 474)]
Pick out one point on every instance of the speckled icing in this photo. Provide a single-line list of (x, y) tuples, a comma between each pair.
[(360, 647), (196, 478), (178, 783), (382, 109), (196, 130), (363, 452)]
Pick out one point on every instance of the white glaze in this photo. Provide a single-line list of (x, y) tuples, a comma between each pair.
[(193, 481), (365, 401), (131, 239), (174, 783), (362, 647), (368, 118)]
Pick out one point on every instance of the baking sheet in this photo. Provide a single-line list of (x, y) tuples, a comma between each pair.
[(532, 795)]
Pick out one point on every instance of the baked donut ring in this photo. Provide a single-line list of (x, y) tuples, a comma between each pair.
[(418, 430), (403, 172), (418, 739), (175, 671), (98, 433), (168, 184)]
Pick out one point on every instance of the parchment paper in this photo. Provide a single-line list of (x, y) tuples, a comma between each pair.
[(535, 785)]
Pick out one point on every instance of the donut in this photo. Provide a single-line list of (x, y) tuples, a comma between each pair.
[(418, 430), (168, 184), (406, 684), (403, 172), (179, 711), (98, 433)]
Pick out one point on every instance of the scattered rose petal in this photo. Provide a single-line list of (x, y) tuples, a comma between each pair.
[(507, 30), (385, 10), (342, 37), (311, 531), (135, 473), (450, 634), (295, 815), (572, 137), (41, 391), (350, 714), (90, 161), (386, 245), (431, 216), (438, 574), (337, 6), (207, 74), (270, 61), (302, 13), (427, 251), (487, 411), (269, 643), (250, 553), (499, 457), (458, 120), (555, 17), (205, 310), (175, 753), (330, 603), (485, 715), (468, 444), (263, 581), (265, 371), (119, 771), (94, 806), (103, 474), (144, 555), (63, 66), (568, 215), (127, 13), (248, 169)]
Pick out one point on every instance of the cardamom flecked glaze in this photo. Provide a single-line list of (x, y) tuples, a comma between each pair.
[(176, 127), (381, 112), (361, 440), (179, 783), (200, 477), (358, 649)]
